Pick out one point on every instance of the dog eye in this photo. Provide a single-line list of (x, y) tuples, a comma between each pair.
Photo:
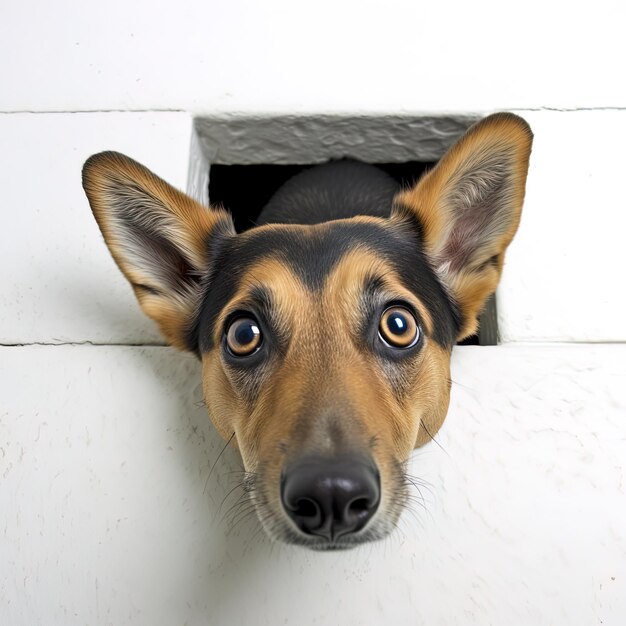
[(398, 328), (243, 336)]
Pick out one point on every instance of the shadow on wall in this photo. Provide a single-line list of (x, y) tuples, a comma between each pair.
[(230, 546), (230, 551), (105, 316), (188, 529)]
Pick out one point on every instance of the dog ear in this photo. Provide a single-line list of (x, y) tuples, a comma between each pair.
[(160, 238), (468, 207)]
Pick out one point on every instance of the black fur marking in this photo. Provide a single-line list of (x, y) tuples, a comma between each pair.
[(223, 232), (313, 255), (340, 189), (408, 216), (335, 190)]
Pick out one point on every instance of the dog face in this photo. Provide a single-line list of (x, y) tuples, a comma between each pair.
[(325, 348)]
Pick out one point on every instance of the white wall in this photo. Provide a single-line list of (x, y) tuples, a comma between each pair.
[(108, 511), (277, 55)]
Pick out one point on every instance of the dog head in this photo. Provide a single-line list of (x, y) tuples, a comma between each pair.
[(325, 348)]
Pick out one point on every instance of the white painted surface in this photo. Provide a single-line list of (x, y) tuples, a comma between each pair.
[(562, 275), (207, 56), (109, 515), (563, 278), (58, 282)]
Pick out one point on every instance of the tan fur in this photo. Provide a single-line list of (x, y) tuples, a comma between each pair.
[(500, 143), (184, 222), (329, 392), (325, 395)]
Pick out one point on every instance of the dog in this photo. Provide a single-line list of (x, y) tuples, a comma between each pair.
[(325, 331)]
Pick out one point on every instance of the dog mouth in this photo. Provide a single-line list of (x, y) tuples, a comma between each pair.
[(321, 544)]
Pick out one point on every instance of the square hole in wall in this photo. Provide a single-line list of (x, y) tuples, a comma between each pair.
[(245, 189), (241, 162)]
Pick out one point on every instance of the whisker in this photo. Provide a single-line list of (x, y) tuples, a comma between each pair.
[(458, 384), (216, 460), (237, 486), (419, 491), (260, 528), (241, 517), (432, 438)]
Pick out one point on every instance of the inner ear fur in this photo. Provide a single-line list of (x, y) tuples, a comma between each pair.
[(159, 237), (469, 206)]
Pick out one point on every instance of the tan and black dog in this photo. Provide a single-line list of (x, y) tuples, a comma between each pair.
[(325, 332)]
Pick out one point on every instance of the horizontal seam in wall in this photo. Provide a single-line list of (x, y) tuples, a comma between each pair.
[(572, 342), (32, 112), (527, 343), (240, 113), (570, 109), (81, 343)]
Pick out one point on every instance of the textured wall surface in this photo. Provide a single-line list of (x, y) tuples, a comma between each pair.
[(346, 56), (110, 512)]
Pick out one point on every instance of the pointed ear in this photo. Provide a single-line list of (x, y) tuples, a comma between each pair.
[(160, 238), (468, 208)]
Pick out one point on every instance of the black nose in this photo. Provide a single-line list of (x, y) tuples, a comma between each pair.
[(330, 498)]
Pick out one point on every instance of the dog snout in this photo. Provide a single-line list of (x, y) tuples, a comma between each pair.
[(330, 498)]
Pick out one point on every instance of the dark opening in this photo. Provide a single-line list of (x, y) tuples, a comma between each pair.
[(245, 189)]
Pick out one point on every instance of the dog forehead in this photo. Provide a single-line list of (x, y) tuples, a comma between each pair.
[(311, 253)]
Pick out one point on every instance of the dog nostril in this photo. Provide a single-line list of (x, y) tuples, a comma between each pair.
[(360, 505), (306, 508)]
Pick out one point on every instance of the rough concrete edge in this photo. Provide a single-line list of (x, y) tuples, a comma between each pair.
[(317, 138), (198, 169)]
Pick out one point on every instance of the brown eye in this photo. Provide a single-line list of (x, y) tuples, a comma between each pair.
[(243, 336), (398, 328)]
